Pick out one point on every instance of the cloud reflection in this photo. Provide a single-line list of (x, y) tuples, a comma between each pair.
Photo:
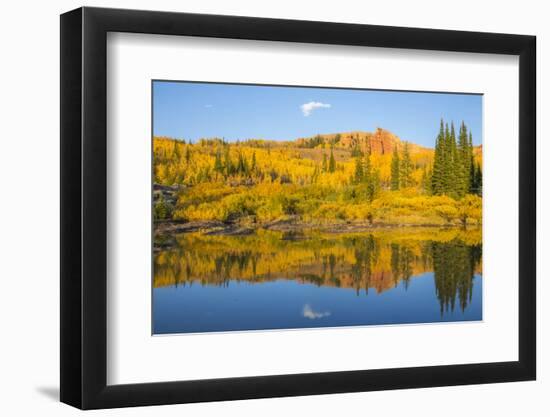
[(309, 313)]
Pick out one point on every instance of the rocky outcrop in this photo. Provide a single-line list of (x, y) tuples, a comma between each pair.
[(381, 141), (168, 192)]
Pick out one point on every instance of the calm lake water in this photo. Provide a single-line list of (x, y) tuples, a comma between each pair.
[(275, 280)]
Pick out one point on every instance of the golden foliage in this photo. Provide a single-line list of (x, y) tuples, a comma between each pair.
[(269, 181)]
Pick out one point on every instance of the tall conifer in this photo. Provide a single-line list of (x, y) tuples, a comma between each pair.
[(358, 175), (405, 175), (332, 162), (464, 162), (395, 170), (437, 179)]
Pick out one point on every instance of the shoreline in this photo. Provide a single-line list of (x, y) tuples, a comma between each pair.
[(215, 227)]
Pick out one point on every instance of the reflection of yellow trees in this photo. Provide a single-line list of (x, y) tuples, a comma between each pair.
[(363, 261)]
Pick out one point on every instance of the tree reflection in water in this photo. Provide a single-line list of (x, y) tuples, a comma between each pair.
[(377, 261)]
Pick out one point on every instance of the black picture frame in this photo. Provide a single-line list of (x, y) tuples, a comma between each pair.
[(84, 207)]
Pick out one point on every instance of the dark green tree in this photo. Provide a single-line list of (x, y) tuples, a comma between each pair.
[(218, 166), (395, 170), (437, 185), (358, 174), (324, 167), (253, 164), (228, 163), (188, 154), (405, 175), (367, 168), (477, 181), (463, 174), (162, 209), (426, 181), (242, 165), (373, 184), (332, 162)]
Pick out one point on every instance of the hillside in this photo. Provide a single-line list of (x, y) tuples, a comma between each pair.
[(365, 177), (380, 141)]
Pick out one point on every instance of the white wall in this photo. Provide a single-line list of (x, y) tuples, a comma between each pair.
[(29, 224)]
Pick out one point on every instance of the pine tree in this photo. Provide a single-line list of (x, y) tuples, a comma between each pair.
[(367, 169), (405, 175), (162, 209), (242, 165), (315, 175), (477, 183), (465, 162), (325, 163), (479, 180), (472, 186), (228, 164), (187, 154), (218, 166), (332, 162), (395, 170), (426, 181), (253, 164), (447, 160), (373, 185), (453, 183), (358, 174), (437, 180)]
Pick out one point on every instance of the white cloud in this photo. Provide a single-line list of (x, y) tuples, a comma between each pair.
[(208, 106), (307, 108), (309, 313)]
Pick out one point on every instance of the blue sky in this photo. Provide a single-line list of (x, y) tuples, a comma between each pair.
[(191, 110)]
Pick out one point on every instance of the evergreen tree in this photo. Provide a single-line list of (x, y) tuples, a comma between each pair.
[(162, 209), (358, 174), (187, 154), (242, 165), (437, 180), (176, 150), (218, 166), (453, 182), (463, 173), (479, 180), (472, 186), (395, 182), (405, 175), (447, 161), (426, 181), (367, 170), (228, 164), (325, 163), (332, 162), (454, 172), (253, 165), (477, 183), (373, 186), (315, 175)]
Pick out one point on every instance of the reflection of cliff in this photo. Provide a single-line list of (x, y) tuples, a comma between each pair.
[(378, 261)]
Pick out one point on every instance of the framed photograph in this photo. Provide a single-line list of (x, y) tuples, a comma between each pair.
[(257, 208)]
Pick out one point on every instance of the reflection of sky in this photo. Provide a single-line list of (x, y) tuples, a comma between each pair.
[(312, 314), (273, 305)]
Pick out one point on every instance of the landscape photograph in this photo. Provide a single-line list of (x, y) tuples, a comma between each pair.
[(282, 207)]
